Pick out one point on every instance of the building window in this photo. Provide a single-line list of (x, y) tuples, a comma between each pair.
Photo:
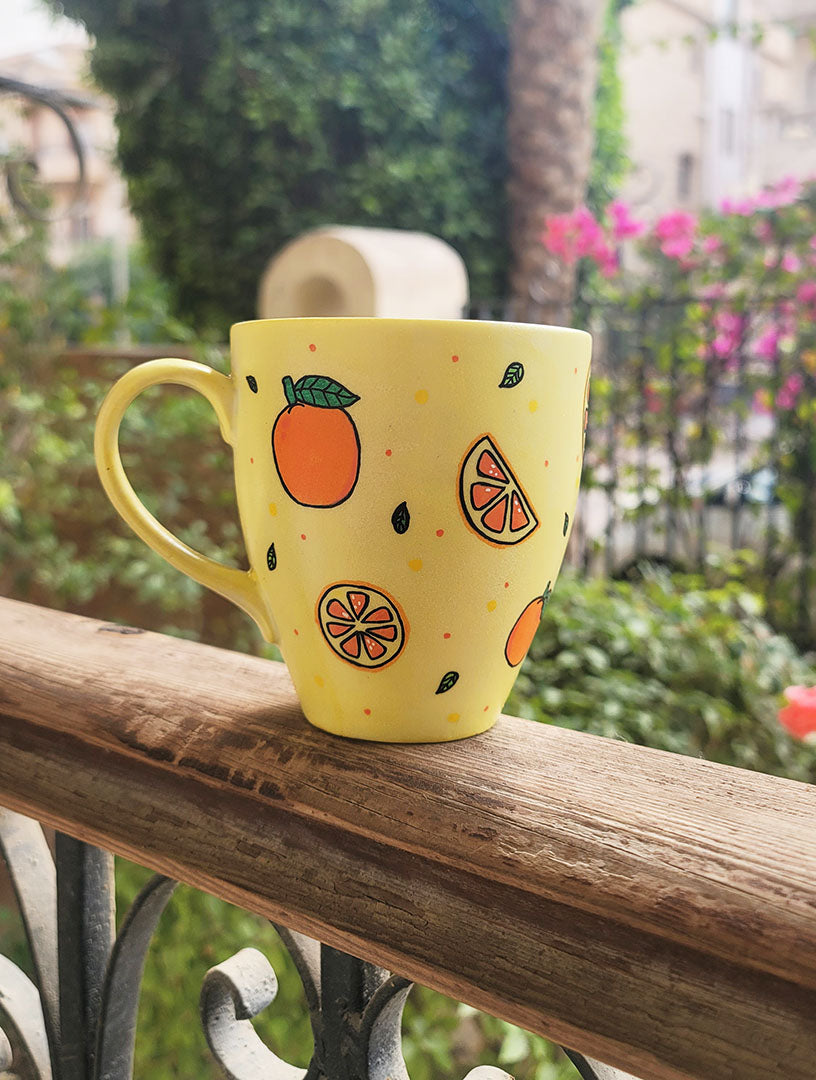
[(685, 176), (728, 131)]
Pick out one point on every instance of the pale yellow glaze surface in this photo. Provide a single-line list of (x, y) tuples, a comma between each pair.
[(427, 392)]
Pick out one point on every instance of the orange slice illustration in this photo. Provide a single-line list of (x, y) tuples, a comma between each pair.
[(493, 501), (361, 624)]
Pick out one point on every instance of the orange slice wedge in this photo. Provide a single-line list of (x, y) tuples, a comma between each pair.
[(493, 501), (362, 625)]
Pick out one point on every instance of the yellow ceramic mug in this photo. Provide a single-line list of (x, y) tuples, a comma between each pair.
[(406, 490)]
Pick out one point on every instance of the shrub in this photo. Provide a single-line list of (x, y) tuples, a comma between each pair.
[(670, 663)]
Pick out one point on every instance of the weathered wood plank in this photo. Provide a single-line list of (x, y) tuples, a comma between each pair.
[(652, 911)]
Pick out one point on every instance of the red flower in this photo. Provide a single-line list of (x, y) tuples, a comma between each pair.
[(799, 716)]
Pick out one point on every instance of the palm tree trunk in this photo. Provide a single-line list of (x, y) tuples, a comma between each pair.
[(553, 46)]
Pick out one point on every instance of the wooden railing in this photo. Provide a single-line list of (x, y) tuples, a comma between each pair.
[(653, 911)]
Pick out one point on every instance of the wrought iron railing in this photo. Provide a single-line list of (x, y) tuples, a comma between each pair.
[(650, 910)]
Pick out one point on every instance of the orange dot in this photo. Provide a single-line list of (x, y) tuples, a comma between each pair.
[(491, 605), (453, 717), (486, 708), (446, 636), (577, 457), (440, 532), (455, 359), (388, 453), (421, 396), (575, 372), (297, 633), (252, 461), (546, 463), (367, 712), (415, 564), (312, 348)]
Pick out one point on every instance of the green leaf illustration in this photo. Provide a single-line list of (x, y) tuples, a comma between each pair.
[(323, 392), (271, 557), (448, 680), (512, 376), (566, 523), (401, 519), (253, 383)]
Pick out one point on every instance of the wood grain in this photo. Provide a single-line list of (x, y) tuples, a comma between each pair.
[(652, 911)]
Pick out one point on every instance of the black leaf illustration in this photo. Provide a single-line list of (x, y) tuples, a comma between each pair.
[(253, 383), (448, 680), (271, 557), (401, 519), (512, 376), (566, 523)]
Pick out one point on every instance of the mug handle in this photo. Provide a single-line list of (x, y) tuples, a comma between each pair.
[(239, 586)]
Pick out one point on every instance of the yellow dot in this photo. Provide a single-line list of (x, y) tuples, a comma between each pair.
[(453, 717), (421, 396), (491, 605), (415, 564), (318, 680), (533, 405), (273, 509)]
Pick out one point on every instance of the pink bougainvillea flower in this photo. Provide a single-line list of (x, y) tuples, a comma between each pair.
[(623, 224), (791, 263), (675, 231), (559, 236), (798, 717), (806, 293), (712, 243), (789, 394), (786, 191), (713, 291), (767, 343)]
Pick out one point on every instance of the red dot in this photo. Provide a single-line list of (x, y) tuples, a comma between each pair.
[(546, 464), (297, 633), (455, 359), (388, 453), (252, 461), (440, 532), (446, 636), (312, 348), (367, 712), (303, 536), (507, 584)]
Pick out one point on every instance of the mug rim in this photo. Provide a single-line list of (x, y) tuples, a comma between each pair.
[(410, 321)]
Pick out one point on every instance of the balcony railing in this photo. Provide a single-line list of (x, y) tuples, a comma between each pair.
[(644, 909)]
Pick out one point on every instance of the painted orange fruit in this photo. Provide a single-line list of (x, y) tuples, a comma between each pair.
[(363, 625), (493, 501), (315, 442), (524, 629)]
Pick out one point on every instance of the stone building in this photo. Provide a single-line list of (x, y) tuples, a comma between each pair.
[(712, 113)]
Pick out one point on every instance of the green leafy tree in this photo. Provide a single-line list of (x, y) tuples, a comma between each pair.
[(242, 124)]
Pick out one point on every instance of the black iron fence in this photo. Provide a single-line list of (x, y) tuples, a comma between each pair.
[(701, 449)]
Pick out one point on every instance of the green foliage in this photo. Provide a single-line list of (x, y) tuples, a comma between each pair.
[(242, 124), (610, 161), (670, 663), (61, 543)]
